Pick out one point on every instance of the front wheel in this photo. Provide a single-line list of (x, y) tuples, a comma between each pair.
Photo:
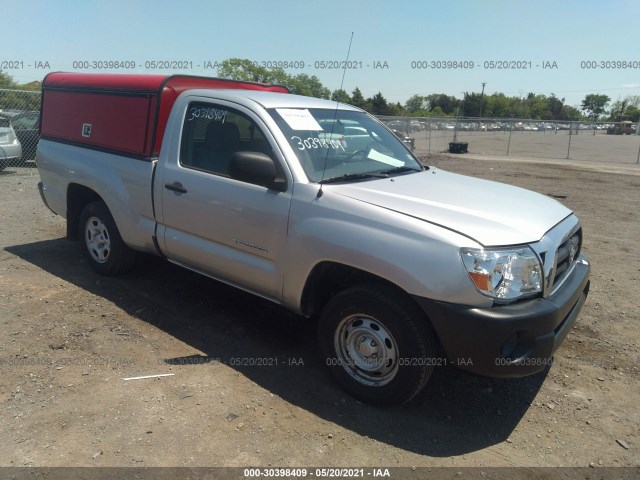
[(101, 241), (377, 345)]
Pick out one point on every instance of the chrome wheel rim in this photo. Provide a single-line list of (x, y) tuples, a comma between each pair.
[(366, 350), (97, 239)]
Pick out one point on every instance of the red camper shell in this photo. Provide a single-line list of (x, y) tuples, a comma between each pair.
[(125, 114)]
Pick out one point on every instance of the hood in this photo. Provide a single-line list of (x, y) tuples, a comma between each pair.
[(490, 213)]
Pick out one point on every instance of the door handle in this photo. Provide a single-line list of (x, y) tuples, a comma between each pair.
[(175, 187)]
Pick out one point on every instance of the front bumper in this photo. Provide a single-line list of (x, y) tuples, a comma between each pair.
[(509, 340)]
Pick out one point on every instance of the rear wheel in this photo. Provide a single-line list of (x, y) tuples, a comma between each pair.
[(376, 344), (101, 241)]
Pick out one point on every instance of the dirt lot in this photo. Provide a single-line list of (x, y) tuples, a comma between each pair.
[(583, 147), (69, 337)]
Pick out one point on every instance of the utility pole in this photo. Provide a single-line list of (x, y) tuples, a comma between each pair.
[(481, 99)]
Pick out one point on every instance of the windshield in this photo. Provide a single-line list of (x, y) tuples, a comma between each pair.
[(335, 145)]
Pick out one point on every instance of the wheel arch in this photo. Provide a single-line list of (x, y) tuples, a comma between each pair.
[(328, 278), (78, 196)]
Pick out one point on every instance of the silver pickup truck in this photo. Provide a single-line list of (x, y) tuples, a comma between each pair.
[(319, 207)]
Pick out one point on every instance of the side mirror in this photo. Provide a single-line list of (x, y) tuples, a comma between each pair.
[(256, 168)]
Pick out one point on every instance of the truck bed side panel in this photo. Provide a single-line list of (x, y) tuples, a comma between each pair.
[(123, 183)]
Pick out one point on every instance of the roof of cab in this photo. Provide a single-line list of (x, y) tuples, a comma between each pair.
[(272, 100)]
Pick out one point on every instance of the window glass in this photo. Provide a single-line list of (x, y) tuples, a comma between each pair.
[(25, 122), (343, 145), (213, 133)]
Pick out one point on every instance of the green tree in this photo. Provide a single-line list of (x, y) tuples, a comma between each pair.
[(555, 105), (616, 111), (498, 105), (379, 105), (396, 109), (245, 70), (6, 80), (471, 106), (595, 105), (538, 106), (340, 95), (358, 100), (11, 96), (633, 101), (633, 113), (570, 113), (415, 105), (310, 86), (446, 103), (520, 108), (625, 108)]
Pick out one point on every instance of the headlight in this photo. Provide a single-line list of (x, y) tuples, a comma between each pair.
[(504, 274)]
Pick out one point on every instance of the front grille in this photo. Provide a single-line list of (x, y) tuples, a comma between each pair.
[(566, 255)]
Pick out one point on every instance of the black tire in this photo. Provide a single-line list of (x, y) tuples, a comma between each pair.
[(377, 345), (101, 241)]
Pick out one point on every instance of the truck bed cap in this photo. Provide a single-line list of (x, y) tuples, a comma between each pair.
[(124, 113)]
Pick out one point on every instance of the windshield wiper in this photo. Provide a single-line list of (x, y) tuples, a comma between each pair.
[(399, 170), (354, 176)]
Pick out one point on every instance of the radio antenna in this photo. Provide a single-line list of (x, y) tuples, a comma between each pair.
[(344, 70), (335, 114)]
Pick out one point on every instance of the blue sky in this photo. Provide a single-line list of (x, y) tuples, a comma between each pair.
[(389, 34)]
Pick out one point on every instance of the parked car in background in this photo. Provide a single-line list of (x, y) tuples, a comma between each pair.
[(10, 147), (407, 140), (26, 127)]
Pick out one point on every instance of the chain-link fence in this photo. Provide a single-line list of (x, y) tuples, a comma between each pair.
[(580, 141), (19, 122)]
